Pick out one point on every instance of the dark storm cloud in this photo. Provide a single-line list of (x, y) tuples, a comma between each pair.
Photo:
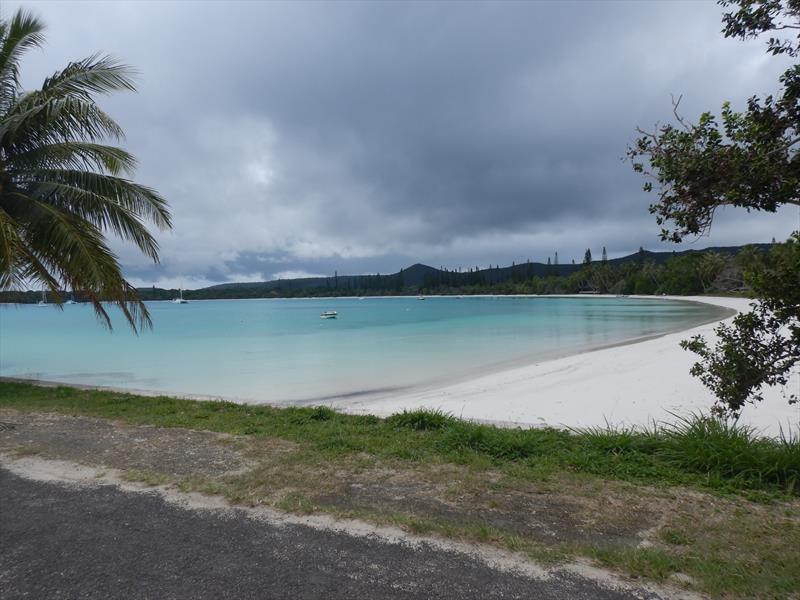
[(307, 138)]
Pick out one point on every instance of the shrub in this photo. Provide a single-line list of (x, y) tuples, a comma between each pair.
[(421, 420)]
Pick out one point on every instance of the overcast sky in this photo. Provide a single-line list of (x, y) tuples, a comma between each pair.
[(303, 138)]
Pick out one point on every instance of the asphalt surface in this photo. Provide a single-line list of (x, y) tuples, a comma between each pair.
[(67, 541)]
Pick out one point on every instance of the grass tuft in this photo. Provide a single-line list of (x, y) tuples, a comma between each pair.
[(730, 452), (421, 420), (322, 413)]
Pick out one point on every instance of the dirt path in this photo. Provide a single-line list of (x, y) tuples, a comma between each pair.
[(86, 533), (274, 472), (540, 526)]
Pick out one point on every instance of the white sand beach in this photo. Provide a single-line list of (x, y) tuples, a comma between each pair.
[(631, 384)]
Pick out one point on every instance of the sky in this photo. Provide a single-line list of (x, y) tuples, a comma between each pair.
[(298, 139)]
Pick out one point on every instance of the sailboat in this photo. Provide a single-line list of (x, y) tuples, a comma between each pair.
[(43, 301), (71, 299), (179, 299)]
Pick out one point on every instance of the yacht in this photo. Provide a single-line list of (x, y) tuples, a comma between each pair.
[(328, 314), (43, 301), (179, 299)]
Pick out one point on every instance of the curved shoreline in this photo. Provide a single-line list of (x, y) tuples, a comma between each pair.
[(489, 366), (632, 383), (340, 401)]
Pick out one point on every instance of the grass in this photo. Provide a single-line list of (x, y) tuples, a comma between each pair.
[(737, 555), (146, 477), (696, 450), (722, 543)]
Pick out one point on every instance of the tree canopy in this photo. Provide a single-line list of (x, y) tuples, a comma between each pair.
[(749, 160), (62, 187), (744, 159)]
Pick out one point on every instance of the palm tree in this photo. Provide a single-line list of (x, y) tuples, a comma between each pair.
[(61, 187)]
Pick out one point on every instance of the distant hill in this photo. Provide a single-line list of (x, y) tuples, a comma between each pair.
[(419, 275), (412, 280)]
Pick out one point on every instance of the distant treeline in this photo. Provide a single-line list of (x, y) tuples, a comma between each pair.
[(711, 271)]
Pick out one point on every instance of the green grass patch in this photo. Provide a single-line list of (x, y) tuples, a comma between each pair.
[(697, 450)]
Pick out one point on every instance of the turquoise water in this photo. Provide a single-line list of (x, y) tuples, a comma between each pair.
[(281, 351)]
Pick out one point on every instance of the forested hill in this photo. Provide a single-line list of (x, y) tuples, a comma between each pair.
[(687, 272), (421, 277)]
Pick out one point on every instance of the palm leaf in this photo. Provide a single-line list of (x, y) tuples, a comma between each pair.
[(74, 155), (23, 32), (61, 189), (138, 199)]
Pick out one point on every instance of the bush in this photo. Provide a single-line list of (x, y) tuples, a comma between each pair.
[(504, 444), (421, 420), (727, 451)]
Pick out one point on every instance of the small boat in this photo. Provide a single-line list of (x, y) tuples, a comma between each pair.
[(43, 301), (420, 297), (179, 299), (328, 314)]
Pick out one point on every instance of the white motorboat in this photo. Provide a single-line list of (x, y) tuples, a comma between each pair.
[(420, 297), (328, 314), (179, 299)]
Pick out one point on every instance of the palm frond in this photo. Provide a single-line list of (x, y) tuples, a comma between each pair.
[(11, 274), (56, 120), (96, 74), (101, 211), (61, 185), (23, 32), (74, 252), (138, 199), (74, 156)]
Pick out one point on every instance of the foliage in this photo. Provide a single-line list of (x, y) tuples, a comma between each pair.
[(699, 450), (61, 186), (760, 347), (728, 450), (421, 420), (749, 160)]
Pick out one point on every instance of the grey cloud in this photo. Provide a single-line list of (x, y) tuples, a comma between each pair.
[(360, 137)]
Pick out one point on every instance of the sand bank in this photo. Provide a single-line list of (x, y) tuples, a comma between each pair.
[(631, 384)]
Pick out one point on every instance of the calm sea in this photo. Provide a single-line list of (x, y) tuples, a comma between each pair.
[(281, 351)]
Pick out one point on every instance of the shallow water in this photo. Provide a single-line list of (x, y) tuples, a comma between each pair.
[(281, 351)]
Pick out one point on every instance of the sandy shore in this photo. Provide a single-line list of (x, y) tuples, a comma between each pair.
[(631, 384)]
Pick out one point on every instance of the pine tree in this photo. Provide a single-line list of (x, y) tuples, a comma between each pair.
[(605, 255), (587, 256)]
